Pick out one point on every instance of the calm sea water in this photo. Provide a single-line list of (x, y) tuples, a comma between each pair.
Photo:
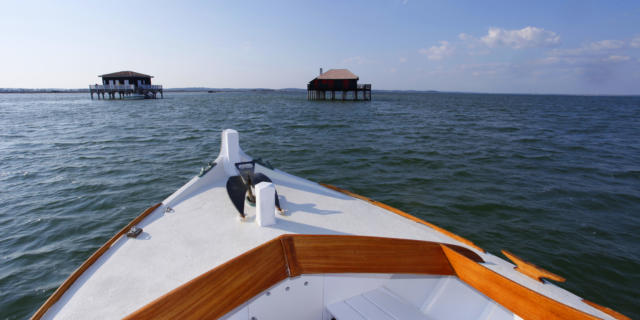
[(553, 179)]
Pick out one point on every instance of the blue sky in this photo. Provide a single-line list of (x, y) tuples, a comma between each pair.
[(579, 47)]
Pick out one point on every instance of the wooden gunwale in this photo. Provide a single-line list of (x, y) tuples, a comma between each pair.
[(308, 254), (404, 214), (78, 272)]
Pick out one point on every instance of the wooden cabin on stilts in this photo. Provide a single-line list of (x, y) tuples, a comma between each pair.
[(342, 81), (124, 85)]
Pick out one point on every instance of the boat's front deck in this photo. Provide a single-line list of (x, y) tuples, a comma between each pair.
[(198, 228)]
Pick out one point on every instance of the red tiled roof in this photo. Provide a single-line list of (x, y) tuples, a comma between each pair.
[(125, 74), (337, 74)]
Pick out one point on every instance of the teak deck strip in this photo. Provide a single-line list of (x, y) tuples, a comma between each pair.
[(404, 214), (78, 272), (230, 285)]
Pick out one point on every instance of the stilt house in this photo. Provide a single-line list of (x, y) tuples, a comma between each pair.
[(125, 84), (341, 80)]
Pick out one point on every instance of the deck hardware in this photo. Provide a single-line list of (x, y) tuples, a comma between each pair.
[(241, 187), (134, 232), (268, 293), (169, 210), (286, 289), (306, 283), (254, 318), (206, 168), (265, 206)]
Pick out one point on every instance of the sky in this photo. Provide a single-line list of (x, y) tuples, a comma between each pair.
[(564, 47)]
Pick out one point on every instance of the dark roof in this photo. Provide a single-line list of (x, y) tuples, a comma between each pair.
[(337, 74), (123, 74)]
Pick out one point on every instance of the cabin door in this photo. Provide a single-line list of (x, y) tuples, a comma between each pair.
[(111, 82), (126, 82)]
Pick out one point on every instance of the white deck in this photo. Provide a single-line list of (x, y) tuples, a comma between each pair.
[(203, 230), (372, 296)]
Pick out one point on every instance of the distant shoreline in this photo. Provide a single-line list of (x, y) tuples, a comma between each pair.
[(222, 90), (209, 90)]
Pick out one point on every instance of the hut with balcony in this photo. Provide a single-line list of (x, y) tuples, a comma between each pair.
[(124, 84), (337, 80)]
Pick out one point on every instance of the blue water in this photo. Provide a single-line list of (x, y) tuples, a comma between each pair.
[(553, 179)]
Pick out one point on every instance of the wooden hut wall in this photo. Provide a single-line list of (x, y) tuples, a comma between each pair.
[(330, 84), (120, 80)]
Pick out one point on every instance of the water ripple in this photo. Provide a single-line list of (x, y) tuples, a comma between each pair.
[(554, 179)]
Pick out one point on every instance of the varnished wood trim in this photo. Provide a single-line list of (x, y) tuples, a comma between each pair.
[(531, 270), (518, 299), (613, 313), (357, 254), (226, 287), (404, 214), (222, 289), (78, 272)]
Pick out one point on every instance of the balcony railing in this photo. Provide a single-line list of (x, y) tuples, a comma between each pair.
[(112, 87), (123, 87)]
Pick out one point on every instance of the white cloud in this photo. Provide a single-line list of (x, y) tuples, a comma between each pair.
[(615, 58), (593, 48), (438, 52), (635, 42), (402, 59), (606, 45), (524, 38)]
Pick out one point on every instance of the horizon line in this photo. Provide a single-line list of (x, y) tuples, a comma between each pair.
[(198, 89)]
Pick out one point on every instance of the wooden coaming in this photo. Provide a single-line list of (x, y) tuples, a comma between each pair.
[(531, 270), (309, 254), (78, 272), (404, 214), (228, 286)]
